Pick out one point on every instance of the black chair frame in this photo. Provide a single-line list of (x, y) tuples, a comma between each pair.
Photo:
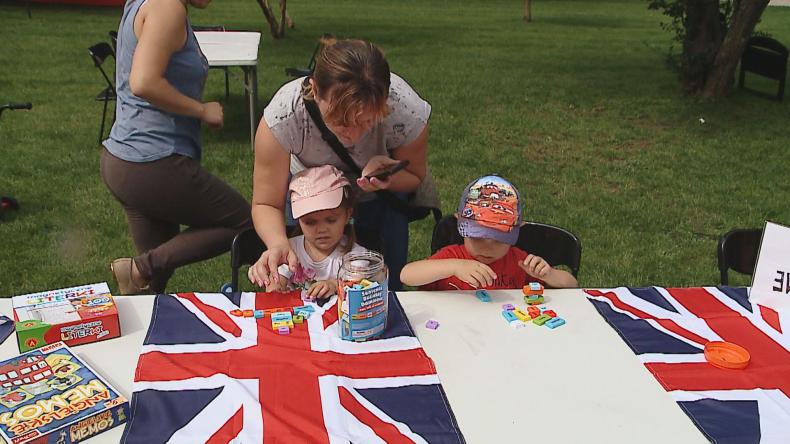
[(304, 72), (246, 249), (766, 57), (737, 250), (99, 54), (556, 245), (113, 41)]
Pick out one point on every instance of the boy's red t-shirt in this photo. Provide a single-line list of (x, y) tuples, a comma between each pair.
[(509, 274)]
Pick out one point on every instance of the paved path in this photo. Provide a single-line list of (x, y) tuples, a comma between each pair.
[(779, 3)]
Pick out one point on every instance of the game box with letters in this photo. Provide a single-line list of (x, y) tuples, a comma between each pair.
[(50, 396), (75, 315)]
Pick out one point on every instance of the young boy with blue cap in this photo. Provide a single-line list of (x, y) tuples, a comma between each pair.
[(489, 218)]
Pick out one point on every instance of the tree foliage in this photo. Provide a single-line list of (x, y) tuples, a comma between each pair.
[(712, 35)]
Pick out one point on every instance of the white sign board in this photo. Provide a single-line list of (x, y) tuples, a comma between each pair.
[(771, 280)]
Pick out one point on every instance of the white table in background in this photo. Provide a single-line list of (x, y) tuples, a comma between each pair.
[(579, 383), (235, 48)]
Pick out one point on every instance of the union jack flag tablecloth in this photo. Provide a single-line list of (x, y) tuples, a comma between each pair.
[(667, 328), (206, 376)]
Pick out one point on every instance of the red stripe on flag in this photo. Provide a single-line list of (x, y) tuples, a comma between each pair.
[(384, 430), (700, 376), (217, 316), (287, 299), (769, 363), (229, 430), (771, 317), (330, 316)]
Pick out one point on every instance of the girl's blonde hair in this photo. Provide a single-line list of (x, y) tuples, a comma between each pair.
[(353, 76)]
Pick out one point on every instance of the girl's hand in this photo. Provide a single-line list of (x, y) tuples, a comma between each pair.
[(373, 184), (536, 266), (474, 273), (322, 289), (264, 272)]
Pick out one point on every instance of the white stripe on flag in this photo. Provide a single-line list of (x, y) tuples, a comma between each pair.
[(647, 358), (402, 428)]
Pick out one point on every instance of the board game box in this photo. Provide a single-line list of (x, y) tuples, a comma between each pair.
[(49, 396), (75, 315)]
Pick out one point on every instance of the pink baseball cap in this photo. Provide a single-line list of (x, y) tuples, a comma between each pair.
[(315, 189)]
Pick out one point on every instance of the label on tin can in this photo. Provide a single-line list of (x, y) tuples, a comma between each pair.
[(362, 309)]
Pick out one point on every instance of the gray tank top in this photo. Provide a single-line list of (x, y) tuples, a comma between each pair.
[(142, 132)]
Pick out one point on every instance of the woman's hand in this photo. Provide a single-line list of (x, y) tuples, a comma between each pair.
[(373, 184), (264, 272), (322, 289), (212, 115), (279, 286)]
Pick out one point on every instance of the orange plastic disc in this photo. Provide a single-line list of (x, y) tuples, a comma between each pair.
[(726, 355)]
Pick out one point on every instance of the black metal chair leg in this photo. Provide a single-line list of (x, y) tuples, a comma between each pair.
[(103, 118), (227, 84)]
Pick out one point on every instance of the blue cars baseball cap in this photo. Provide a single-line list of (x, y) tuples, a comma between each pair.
[(490, 208)]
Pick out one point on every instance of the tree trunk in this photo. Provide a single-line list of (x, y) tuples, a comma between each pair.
[(722, 73), (527, 10), (703, 37), (277, 29)]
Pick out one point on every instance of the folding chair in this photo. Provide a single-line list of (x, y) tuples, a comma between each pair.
[(245, 249), (766, 57), (99, 53), (737, 250), (556, 245), (304, 72), (216, 28), (113, 41)]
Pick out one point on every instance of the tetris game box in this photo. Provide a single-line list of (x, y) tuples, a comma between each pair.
[(49, 396), (76, 315)]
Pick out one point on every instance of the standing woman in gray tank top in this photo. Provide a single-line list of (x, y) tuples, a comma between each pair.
[(151, 160)]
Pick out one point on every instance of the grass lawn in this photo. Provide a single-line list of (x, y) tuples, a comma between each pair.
[(577, 108)]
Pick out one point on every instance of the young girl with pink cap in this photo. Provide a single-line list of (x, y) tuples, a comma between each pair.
[(322, 205)]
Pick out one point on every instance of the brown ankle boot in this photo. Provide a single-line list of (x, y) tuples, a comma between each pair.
[(122, 271)]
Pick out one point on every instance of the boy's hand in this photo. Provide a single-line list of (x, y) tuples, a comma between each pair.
[(536, 266), (322, 289), (476, 274)]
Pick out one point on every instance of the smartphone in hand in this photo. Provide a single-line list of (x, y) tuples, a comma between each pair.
[(387, 171)]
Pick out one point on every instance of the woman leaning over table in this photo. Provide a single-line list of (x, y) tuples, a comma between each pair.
[(377, 117), (151, 160)]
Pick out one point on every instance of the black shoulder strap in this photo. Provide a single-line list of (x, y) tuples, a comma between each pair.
[(329, 137)]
